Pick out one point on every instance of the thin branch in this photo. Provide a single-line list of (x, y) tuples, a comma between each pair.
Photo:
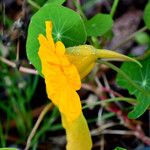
[(107, 85), (21, 68), (130, 37), (98, 90), (111, 100), (43, 113), (27, 70), (119, 132), (103, 128)]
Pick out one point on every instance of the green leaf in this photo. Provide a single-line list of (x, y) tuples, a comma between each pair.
[(40, 2), (147, 15), (141, 107), (119, 148), (8, 149), (67, 27), (99, 24), (141, 77), (142, 38), (58, 2)]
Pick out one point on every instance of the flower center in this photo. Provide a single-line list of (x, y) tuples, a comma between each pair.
[(58, 36)]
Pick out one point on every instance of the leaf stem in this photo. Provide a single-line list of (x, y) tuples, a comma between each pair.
[(33, 4), (130, 37), (79, 9), (42, 114), (116, 99), (95, 42), (114, 7)]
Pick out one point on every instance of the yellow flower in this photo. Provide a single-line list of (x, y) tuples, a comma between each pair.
[(62, 80), (63, 70), (61, 77)]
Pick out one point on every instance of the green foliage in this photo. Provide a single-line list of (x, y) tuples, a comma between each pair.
[(8, 149), (147, 15), (40, 2), (58, 2), (119, 148), (67, 27), (15, 105), (99, 24), (17, 89), (114, 7), (48, 125), (2, 136), (142, 38), (140, 76)]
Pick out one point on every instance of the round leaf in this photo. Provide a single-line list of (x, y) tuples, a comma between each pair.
[(142, 38), (99, 24), (67, 27), (141, 77), (147, 15)]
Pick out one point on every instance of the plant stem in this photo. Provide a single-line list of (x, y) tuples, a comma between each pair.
[(21, 68), (130, 37), (17, 54), (118, 70), (95, 42), (79, 9), (114, 7), (116, 99), (33, 4), (42, 114)]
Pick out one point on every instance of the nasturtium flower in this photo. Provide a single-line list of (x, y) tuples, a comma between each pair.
[(62, 81), (63, 68), (61, 77)]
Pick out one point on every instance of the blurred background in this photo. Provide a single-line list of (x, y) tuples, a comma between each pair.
[(23, 95)]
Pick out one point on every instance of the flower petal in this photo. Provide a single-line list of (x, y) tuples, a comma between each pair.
[(60, 48), (61, 77), (61, 93), (70, 104), (43, 41), (49, 34), (73, 77), (45, 53)]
